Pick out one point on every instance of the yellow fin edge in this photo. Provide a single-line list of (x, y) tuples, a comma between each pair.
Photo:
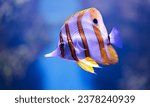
[(90, 62), (85, 67)]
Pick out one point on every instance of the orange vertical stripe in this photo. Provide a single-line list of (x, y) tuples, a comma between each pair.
[(71, 46), (81, 32), (105, 59)]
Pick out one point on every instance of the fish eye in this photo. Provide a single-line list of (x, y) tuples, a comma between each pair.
[(95, 21)]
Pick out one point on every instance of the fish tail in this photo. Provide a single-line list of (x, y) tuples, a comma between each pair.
[(52, 54)]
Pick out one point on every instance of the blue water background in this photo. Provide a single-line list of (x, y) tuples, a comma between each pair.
[(30, 28)]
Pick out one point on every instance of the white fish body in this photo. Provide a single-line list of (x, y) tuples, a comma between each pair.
[(84, 39)]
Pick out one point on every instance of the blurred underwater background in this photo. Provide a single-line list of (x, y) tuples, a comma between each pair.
[(30, 28)]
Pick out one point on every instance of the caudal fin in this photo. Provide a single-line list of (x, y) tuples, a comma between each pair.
[(49, 55), (52, 54), (115, 38)]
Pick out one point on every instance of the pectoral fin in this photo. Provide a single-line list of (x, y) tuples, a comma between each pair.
[(115, 38)]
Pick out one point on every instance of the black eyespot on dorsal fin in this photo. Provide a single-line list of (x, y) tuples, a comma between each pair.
[(61, 45)]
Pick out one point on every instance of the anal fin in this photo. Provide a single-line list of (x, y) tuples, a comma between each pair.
[(85, 66), (90, 62)]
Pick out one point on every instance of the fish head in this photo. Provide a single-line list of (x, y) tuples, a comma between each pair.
[(97, 21), (99, 26)]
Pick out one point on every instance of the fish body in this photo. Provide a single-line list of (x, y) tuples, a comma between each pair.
[(84, 39)]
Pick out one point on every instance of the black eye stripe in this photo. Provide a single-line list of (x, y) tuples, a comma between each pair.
[(95, 21)]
